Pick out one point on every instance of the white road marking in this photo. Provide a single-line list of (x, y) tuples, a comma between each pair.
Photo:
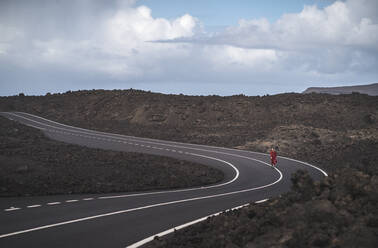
[(88, 199), (190, 189), (34, 206), (144, 140), (139, 208), (187, 153), (53, 203), (72, 200), (35, 126), (149, 239), (148, 140), (261, 201), (208, 151), (11, 209)]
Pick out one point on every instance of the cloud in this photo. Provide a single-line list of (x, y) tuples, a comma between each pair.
[(341, 37), (114, 42), (64, 45)]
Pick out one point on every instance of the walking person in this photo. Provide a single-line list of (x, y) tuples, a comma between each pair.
[(273, 157)]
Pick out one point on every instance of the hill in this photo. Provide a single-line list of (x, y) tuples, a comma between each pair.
[(338, 133), (370, 89), (311, 127)]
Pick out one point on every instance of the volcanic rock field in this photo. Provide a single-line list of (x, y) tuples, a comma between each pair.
[(338, 133)]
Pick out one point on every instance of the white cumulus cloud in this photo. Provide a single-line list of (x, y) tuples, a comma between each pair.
[(339, 38), (103, 44)]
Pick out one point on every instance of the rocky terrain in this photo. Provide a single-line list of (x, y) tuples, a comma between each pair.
[(222, 121), (370, 89), (340, 211), (338, 133), (32, 164)]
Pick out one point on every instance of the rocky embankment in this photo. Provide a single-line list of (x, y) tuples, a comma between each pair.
[(32, 164), (338, 133)]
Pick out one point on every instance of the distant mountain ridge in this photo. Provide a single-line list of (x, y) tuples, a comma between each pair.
[(369, 89)]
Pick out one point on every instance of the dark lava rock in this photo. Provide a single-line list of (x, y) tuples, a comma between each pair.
[(335, 132), (32, 164), (311, 222)]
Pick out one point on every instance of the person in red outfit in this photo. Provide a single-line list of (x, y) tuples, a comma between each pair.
[(273, 157)]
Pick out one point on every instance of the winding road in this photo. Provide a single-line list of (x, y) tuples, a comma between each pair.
[(132, 219)]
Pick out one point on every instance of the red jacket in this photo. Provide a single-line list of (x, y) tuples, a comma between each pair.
[(273, 155)]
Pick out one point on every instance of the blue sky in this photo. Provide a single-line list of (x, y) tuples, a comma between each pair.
[(192, 47), (228, 12)]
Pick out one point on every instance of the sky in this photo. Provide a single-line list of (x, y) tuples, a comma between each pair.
[(197, 47)]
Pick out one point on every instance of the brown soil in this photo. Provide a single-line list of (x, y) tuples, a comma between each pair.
[(32, 164)]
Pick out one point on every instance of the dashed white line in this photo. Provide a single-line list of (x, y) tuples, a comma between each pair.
[(72, 200), (11, 209), (139, 208), (36, 127), (53, 203), (88, 199), (34, 206), (152, 140)]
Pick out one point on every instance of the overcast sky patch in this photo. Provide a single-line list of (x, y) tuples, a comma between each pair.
[(55, 46)]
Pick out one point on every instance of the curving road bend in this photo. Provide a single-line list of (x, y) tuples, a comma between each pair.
[(132, 219)]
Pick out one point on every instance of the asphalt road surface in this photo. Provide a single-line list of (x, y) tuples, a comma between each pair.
[(132, 219)]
